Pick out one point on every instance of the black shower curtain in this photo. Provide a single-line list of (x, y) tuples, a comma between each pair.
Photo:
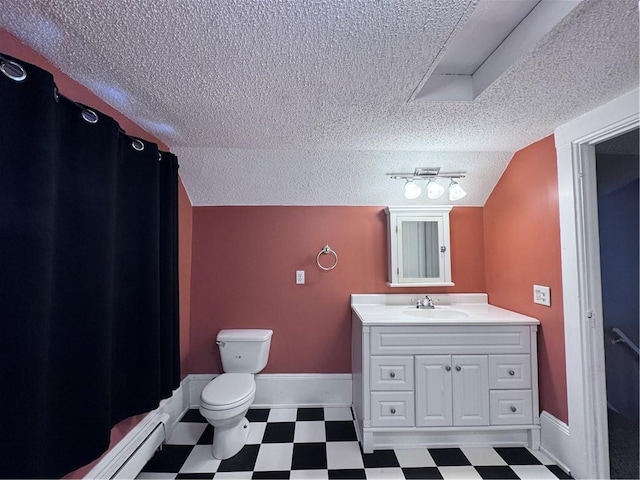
[(88, 278)]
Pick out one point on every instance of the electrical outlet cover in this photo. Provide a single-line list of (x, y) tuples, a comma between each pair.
[(542, 295)]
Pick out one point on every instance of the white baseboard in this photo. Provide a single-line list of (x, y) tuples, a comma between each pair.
[(554, 440), (303, 390), (129, 455), (289, 390)]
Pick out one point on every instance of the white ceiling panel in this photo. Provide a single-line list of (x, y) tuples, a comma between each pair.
[(296, 99), (490, 23)]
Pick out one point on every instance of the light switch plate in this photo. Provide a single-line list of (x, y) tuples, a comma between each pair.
[(542, 295), (299, 277)]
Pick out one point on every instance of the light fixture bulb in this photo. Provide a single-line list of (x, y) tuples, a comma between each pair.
[(456, 192), (434, 189), (412, 190)]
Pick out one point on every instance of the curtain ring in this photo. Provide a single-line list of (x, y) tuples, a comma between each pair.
[(137, 144), (12, 70), (56, 96), (89, 115), (159, 157), (326, 250)]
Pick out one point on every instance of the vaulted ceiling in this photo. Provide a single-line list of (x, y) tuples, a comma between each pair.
[(312, 102)]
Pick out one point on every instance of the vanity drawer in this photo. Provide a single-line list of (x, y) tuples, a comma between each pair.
[(510, 407), (509, 371), (392, 373), (392, 409), (438, 339)]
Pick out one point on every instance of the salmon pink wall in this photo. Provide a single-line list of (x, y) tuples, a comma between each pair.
[(73, 90), (243, 276), (185, 220), (522, 248)]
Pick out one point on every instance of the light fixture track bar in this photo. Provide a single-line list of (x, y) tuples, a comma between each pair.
[(411, 176), (434, 190)]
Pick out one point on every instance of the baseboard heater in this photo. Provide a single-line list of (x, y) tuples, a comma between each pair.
[(133, 451)]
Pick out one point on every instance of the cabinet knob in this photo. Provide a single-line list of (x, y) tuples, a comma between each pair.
[(512, 373), (392, 374), (448, 368), (458, 368), (513, 409), (393, 411)]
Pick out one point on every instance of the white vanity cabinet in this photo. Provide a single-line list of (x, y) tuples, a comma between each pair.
[(444, 384), (419, 250)]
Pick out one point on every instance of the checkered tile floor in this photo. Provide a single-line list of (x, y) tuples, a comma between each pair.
[(320, 443)]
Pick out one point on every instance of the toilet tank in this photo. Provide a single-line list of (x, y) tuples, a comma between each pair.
[(244, 350)]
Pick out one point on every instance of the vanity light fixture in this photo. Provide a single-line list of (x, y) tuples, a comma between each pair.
[(434, 190), (456, 192), (412, 190)]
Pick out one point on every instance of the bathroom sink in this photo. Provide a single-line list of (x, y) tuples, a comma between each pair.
[(437, 313)]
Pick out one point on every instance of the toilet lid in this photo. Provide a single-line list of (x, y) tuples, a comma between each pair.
[(227, 391)]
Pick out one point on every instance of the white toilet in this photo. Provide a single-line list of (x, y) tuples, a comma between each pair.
[(225, 400)]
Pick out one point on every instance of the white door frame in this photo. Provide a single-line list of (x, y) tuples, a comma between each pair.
[(581, 283)]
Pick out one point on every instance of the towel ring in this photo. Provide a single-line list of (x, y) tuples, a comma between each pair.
[(326, 250)]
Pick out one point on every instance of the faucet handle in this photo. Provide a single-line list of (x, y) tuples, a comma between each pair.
[(425, 301)]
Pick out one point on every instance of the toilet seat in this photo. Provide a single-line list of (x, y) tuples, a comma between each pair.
[(228, 391)]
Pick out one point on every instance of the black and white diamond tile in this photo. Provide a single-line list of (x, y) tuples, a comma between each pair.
[(321, 443)]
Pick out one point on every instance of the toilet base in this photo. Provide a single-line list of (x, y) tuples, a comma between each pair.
[(227, 441)]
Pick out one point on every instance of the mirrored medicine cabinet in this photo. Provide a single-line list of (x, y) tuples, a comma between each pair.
[(419, 251)]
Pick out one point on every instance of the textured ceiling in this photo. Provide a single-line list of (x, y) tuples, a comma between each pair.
[(307, 102)]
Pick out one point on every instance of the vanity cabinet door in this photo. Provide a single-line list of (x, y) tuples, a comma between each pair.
[(452, 390), (470, 390), (433, 391)]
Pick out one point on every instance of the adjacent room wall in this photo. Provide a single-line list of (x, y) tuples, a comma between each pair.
[(522, 248), (618, 226), (244, 263)]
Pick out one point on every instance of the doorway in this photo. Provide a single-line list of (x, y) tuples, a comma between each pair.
[(618, 213), (585, 444)]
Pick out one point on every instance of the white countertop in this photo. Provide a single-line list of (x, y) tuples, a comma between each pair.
[(450, 309)]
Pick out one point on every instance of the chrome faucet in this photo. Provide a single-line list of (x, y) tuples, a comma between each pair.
[(426, 302)]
